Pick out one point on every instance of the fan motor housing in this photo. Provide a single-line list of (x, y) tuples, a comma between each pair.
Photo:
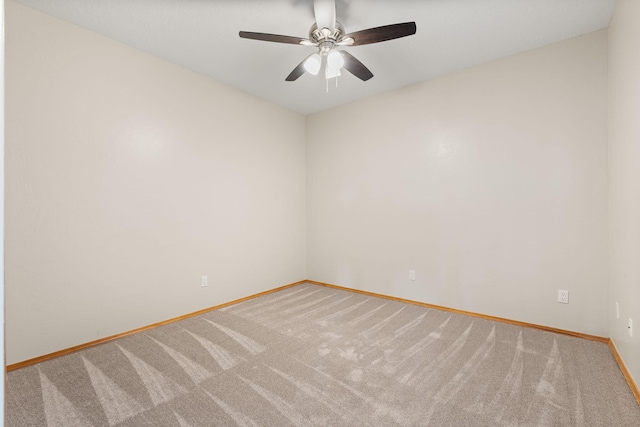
[(320, 35)]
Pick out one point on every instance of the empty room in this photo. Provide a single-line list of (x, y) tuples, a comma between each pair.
[(322, 213)]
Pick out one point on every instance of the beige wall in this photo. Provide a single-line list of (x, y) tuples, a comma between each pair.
[(128, 178), (490, 183), (624, 185), (2, 174)]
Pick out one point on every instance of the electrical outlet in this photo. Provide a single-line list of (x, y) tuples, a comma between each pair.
[(563, 296), (204, 281), (630, 327), (617, 311), (412, 275)]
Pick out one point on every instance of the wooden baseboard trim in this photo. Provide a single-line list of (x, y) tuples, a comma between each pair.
[(79, 347), (632, 384), (469, 313)]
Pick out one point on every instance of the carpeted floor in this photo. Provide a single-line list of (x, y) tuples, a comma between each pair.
[(310, 355)]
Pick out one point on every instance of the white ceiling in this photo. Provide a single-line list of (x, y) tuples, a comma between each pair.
[(202, 35)]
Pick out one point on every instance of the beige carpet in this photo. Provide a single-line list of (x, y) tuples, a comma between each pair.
[(316, 356)]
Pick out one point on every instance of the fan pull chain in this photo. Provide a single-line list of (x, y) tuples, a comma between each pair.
[(327, 84)]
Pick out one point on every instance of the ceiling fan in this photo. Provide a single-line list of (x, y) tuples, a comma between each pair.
[(328, 35)]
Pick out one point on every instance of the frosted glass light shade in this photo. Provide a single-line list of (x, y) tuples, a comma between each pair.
[(335, 60), (334, 63), (312, 64), (332, 72)]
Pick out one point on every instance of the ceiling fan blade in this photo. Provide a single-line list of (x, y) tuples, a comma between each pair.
[(355, 67), (272, 38), (297, 72), (325, 13), (384, 33)]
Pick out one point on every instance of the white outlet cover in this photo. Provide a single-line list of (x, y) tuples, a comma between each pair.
[(563, 296), (630, 327)]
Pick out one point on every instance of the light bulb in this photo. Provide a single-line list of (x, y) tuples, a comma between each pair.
[(312, 64)]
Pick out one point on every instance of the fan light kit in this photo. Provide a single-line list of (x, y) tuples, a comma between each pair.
[(328, 35)]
